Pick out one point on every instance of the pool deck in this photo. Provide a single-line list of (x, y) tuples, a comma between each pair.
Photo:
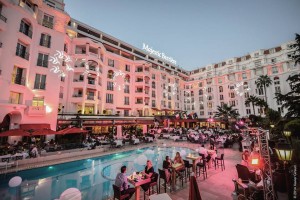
[(218, 184)]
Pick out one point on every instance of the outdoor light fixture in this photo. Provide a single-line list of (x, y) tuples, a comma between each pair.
[(287, 133), (284, 151), (254, 161), (272, 125)]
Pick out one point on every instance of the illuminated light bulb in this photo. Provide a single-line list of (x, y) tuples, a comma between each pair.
[(48, 109)]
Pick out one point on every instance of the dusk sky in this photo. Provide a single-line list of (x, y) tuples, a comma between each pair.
[(194, 32)]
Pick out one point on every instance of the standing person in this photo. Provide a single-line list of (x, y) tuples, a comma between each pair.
[(240, 142), (245, 158), (122, 183)]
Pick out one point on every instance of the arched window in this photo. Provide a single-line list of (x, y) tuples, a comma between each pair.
[(110, 74), (200, 92), (221, 89)]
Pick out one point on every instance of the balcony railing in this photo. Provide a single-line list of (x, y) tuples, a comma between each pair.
[(77, 95), (45, 43), (25, 31), (47, 24), (36, 110), (22, 54), (17, 79), (139, 102), (90, 97), (139, 91), (3, 18)]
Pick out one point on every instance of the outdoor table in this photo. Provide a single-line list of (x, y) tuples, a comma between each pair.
[(193, 158), (137, 184), (175, 167), (163, 196)]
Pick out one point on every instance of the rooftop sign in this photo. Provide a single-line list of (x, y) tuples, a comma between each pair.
[(158, 54)]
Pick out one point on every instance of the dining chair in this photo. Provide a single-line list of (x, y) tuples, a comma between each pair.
[(117, 193)]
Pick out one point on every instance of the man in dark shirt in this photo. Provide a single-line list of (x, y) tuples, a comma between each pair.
[(122, 183)]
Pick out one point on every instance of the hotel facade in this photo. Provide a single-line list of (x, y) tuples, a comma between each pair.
[(52, 64)]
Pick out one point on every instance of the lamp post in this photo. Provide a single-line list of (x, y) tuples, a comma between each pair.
[(284, 152)]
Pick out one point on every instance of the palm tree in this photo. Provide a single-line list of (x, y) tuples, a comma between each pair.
[(263, 81), (225, 112), (252, 99)]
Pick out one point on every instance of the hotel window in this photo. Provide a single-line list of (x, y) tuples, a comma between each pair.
[(260, 91), (248, 111), (256, 55), (153, 94), (15, 98), (40, 82), (247, 105), (274, 70), (221, 97), (153, 84), (153, 76), (193, 107), (111, 63), (169, 105), (42, 60), (201, 106), (126, 100), (22, 51), (209, 104), (276, 81), (177, 97), (221, 89), (244, 75), (247, 95), (232, 94), (232, 103), (126, 113), (272, 50), (45, 40), (188, 107), (48, 21), (209, 81), (25, 28), (219, 80), (222, 104), (153, 103), (210, 97), (38, 101), (210, 113), (110, 86), (201, 98), (277, 89), (200, 84), (230, 62), (209, 90), (201, 112), (127, 68), (109, 98)]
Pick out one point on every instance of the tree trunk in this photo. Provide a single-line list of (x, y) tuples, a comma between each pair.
[(253, 108), (266, 94)]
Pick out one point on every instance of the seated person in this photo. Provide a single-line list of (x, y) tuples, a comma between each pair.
[(167, 165), (148, 172), (245, 158), (203, 151), (34, 152), (121, 182), (179, 160)]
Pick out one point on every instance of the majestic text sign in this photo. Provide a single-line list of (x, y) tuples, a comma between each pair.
[(158, 54)]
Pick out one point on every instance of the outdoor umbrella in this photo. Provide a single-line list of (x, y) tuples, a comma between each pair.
[(43, 132), (15, 132), (71, 130), (194, 193)]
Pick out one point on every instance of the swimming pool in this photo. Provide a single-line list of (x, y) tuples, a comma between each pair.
[(93, 177)]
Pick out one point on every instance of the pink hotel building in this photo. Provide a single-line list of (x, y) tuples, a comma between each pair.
[(109, 76)]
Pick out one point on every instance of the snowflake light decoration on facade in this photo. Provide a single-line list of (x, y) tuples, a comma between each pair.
[(57, 60), (237, 89), (115, 83), (174, 89)]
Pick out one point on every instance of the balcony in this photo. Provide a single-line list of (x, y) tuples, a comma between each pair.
[(42, 63), (90, 97), (28, 8), (36, 110), (139, 102), (22, 54), (139, 91), (77, 95), (2, 18), (17, 79), (47, 24)]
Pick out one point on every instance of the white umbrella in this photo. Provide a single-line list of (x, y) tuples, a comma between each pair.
[(71, 194), (15, 181)]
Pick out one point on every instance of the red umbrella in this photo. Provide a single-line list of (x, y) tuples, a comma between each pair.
[(15, 132), (71, 130), (43, 132)]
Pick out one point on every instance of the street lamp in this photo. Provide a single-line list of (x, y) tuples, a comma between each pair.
[(287, 133), (284, 152), (272, 125)]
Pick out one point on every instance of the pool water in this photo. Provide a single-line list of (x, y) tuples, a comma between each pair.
[(93, 177)]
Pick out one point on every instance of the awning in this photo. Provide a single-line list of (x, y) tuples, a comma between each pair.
[(71, 130), (155, 109), (43, 132), (122, 108), (34, 126), (15, 132)]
